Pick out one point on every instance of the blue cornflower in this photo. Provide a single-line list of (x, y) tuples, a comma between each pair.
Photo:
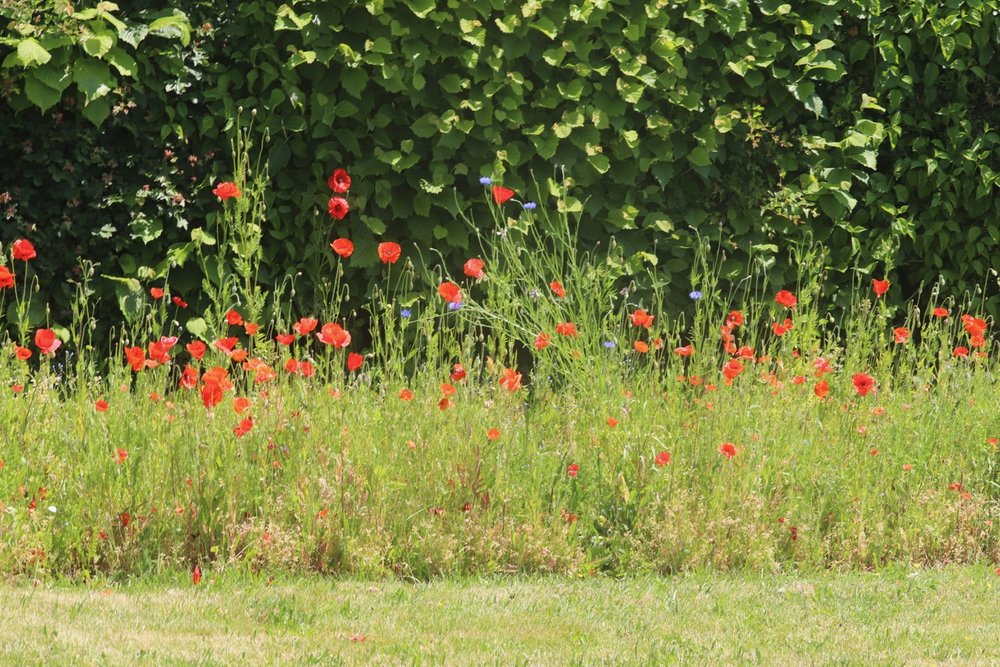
[(530, 206), (695, 295), (486, 180), (610, 344), (405, 313), (454, 305)]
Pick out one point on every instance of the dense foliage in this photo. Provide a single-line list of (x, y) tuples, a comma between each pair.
[(867, 127)]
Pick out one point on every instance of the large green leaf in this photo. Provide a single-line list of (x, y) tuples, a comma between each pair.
[(421, 7), (97, 44), (41, 95), (97, 111), (93, 78), (30, 53), (174, 25)]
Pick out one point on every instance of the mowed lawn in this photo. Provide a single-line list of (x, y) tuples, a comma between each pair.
[(893, 617)]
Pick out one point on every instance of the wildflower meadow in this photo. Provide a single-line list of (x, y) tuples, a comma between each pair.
[(524, 412)]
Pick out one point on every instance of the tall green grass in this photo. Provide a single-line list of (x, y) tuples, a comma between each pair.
[(604, 455)]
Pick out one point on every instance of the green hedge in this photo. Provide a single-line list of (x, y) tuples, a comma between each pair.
[(867, 127)]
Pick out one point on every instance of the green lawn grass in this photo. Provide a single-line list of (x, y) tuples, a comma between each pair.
[(898, 616)]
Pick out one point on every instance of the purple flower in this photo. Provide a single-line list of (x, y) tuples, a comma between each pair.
[(486, 180)]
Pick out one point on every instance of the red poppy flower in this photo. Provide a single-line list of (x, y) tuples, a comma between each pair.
[(662, 459), (786, 298), (501, 194), (305, 325), (196, 348), (46, 341), (189, 378), (473, 268), (6, 277), (196, 575), (120, 455), (511, 380), (22, 353), (732, 369), (179, 302), (211, 394), (940, 312), (343, 247), (640, 347), (961, 351), (727, 449), (241, 404), (225, 190), (136, 358), (542, 341), (640, 318), (974, 326), (822, 388), (566, 329), (557, 289), (685, 351), (156, 293), (23, 250), (261, 371), (901, 334), (159, 352), (243, 427), (227, 344), (735, 319), (573, 469), (339, 181), (251, 328), (354, 361), (863, 383), (335, 335), (292, 366), (745, 353), (822, 366), (448, 389), (285, 339), (450, 292), (612, 422), (389, 252), (493, 434), (458, 373), (338, 208), (880, 287), (406, 395), (234, 318), (101, 405)]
